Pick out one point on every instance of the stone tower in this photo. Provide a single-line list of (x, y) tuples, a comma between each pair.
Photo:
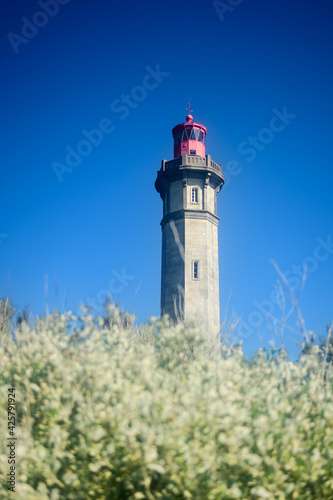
[(188, 186)]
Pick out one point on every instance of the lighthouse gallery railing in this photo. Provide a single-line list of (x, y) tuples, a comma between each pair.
[(196, 161)]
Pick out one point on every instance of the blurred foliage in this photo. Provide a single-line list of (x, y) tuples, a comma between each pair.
[(6, 313), (107, 410)]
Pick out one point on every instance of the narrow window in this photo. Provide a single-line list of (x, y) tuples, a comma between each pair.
[(186, 134), (194, 195), (178, 137), (195, 269)]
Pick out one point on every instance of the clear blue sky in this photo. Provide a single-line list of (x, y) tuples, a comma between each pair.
[(102, 220)]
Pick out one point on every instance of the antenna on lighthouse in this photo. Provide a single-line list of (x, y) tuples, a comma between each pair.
[(189, 109)]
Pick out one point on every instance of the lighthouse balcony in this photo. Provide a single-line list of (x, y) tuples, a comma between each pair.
[(191, 161)]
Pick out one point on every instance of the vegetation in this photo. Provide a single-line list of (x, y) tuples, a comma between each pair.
[(106, 410)]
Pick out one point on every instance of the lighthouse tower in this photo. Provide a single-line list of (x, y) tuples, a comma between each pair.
[(188, 185)]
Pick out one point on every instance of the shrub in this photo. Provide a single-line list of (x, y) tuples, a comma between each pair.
[(109, 411)]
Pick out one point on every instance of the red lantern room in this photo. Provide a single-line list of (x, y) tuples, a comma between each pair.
[(189, 137)]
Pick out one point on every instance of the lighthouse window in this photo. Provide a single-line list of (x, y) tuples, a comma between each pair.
[(193, 138), (186, 134), (178, 137), (194, 197), (195, 269)]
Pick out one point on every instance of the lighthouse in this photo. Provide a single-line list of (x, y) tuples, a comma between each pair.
[(188, 185)]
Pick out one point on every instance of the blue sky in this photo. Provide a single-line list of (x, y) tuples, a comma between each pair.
[(97, 232)]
